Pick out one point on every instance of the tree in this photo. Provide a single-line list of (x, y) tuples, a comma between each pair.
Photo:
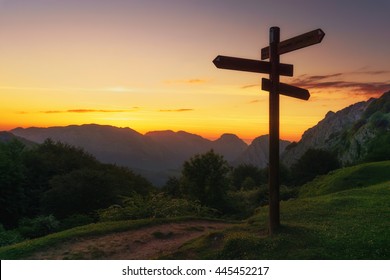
[(205, 178), (47, 160), (12, 182), (173, 187), (245, 172), (312, 163), (80, 192)]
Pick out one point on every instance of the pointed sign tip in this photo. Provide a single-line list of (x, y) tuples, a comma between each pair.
[(216, 59), (321, 34)]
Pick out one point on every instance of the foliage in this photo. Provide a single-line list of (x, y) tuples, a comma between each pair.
[(83, 191), (244, 202), (12, 182), (248, 176), (155, 206), (56, 178), (205, 178), (379, 148), (8, 237), (39, 226), (313, 162), (173, 187)]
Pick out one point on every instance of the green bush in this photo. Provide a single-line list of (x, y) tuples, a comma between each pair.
[(8, 237), (39, 226), (244, 202), (155, 206)]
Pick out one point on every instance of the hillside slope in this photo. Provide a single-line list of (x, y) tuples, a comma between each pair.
[(352, 133), (358, 176), (349, 222)]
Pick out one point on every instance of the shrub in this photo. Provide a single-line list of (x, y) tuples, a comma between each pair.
[(155, 206), (8, 237), (39, 226)]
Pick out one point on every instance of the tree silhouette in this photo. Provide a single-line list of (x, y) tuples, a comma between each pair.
[(205, 178), (313, 162)]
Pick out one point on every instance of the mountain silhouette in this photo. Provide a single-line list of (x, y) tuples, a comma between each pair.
[(156, 155), (257, 153), (350, 133)]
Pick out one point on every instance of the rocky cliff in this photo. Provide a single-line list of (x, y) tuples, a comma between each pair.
[(348, 132)]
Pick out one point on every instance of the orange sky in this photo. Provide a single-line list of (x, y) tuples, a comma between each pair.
[(148, 64)]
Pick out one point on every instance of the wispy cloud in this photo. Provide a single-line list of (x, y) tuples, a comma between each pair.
[(250, 86), (175, 110), (187, 81), (82, 111), (350, 86), (341, 81), (117, 89)]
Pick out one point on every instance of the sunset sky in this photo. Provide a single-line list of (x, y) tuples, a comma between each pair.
[(147, 64)]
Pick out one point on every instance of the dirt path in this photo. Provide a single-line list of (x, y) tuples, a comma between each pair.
[(145, 243)]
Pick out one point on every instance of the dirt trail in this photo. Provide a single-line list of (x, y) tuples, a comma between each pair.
[(144, 243)]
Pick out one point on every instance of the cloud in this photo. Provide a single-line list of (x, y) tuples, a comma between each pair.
[(250, 86), (254, 101), (175, 110), (349, 86), (82, 111), (188, 81), (117, 89)]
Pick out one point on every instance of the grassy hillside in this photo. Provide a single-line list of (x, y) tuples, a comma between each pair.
[(343, 215), (350, 221), (358, 176)]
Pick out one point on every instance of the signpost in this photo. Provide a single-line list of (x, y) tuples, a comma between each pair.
[(296, 43), (287, 90), (249, 65), (274, 68)]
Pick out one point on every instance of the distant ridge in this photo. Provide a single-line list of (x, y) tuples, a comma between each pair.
[(350, 133), (257, 153), (156, 155)]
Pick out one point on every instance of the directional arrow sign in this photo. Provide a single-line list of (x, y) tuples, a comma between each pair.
[(287, 90), (295, 43), (249, 65)]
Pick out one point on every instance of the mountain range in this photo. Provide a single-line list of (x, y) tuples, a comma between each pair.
[(157, 154), (349, 133)]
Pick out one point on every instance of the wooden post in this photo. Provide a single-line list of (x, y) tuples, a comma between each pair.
[(274, 217)]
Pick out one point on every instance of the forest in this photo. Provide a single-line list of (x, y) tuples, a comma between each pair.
[(53, 186)]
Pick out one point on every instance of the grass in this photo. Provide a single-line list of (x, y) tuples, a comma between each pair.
[(358, 176), (352, 222)]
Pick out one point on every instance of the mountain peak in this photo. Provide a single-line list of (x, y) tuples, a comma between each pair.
[(226, 137)]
